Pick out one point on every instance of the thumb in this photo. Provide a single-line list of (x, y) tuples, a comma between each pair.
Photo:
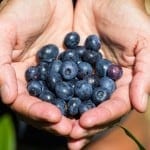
[(8, 85), (140, 85)]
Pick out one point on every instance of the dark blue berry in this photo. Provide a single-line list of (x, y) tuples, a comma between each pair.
[(32, 73), (83, 90), (100, 95), (52, 79), (85, 106), (92, 42), (34, 88), (61, 105), (114, 72), (91, 56), (47, 53), (64, 90), (84, 69), (55, 66), (93, 80), (80, 50), (102, 67), (73, 106), (42, 70), (71, 40), (69, 70), (47, 96), (107, 83), (70, 55)]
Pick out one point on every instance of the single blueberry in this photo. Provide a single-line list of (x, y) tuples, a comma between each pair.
[(61, 105), (55, 66), (73, 106), (71, 40), (34, 88), (100, 95), (107, 83), (80, 50), (42, 70), (52, 79), (85, 106), (102, 67), (47, 53), (91, 56), (93, 80), (114, 72), (83, 89), (47, 96), (64, 90), (32, 73), (73, 81), (84, 69), (92, 42), (70, 55), (69, 70)]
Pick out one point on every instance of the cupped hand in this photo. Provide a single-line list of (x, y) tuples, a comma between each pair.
[(25, 26), (123, 26)]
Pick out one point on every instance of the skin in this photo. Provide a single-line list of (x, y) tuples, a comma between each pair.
[(113, 21), (24, 29)]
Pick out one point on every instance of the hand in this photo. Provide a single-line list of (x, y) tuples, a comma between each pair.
[(25, 26), (124, 29)]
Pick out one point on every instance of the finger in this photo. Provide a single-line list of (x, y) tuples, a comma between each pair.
[(36, 109), (78, 132), (8, 85), (77, 144), (140, 85), (109, 110)]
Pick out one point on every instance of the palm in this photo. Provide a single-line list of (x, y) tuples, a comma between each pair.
[(33, 29), (123, 28)]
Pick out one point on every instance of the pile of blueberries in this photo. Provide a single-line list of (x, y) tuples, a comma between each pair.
[(75, 80)]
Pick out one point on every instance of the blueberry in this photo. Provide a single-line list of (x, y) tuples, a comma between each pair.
[(91, 56), (70, 55), (32, 73), (84, 69), (83, 89), (42, 70), (47, 53), (73, 106), (47, 96), (102, 67), (34, 88), (107, 83), (64, 90), (85, 106), (100, 95), (52, 79), (80, 50), (55, 66), (71, 40), (69, 70), (73, 81), (93, 80), (93, 43), (114, 72), (61, 105)]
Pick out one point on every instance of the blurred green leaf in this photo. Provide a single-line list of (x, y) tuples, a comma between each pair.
[(7, 133), (141, 147)]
